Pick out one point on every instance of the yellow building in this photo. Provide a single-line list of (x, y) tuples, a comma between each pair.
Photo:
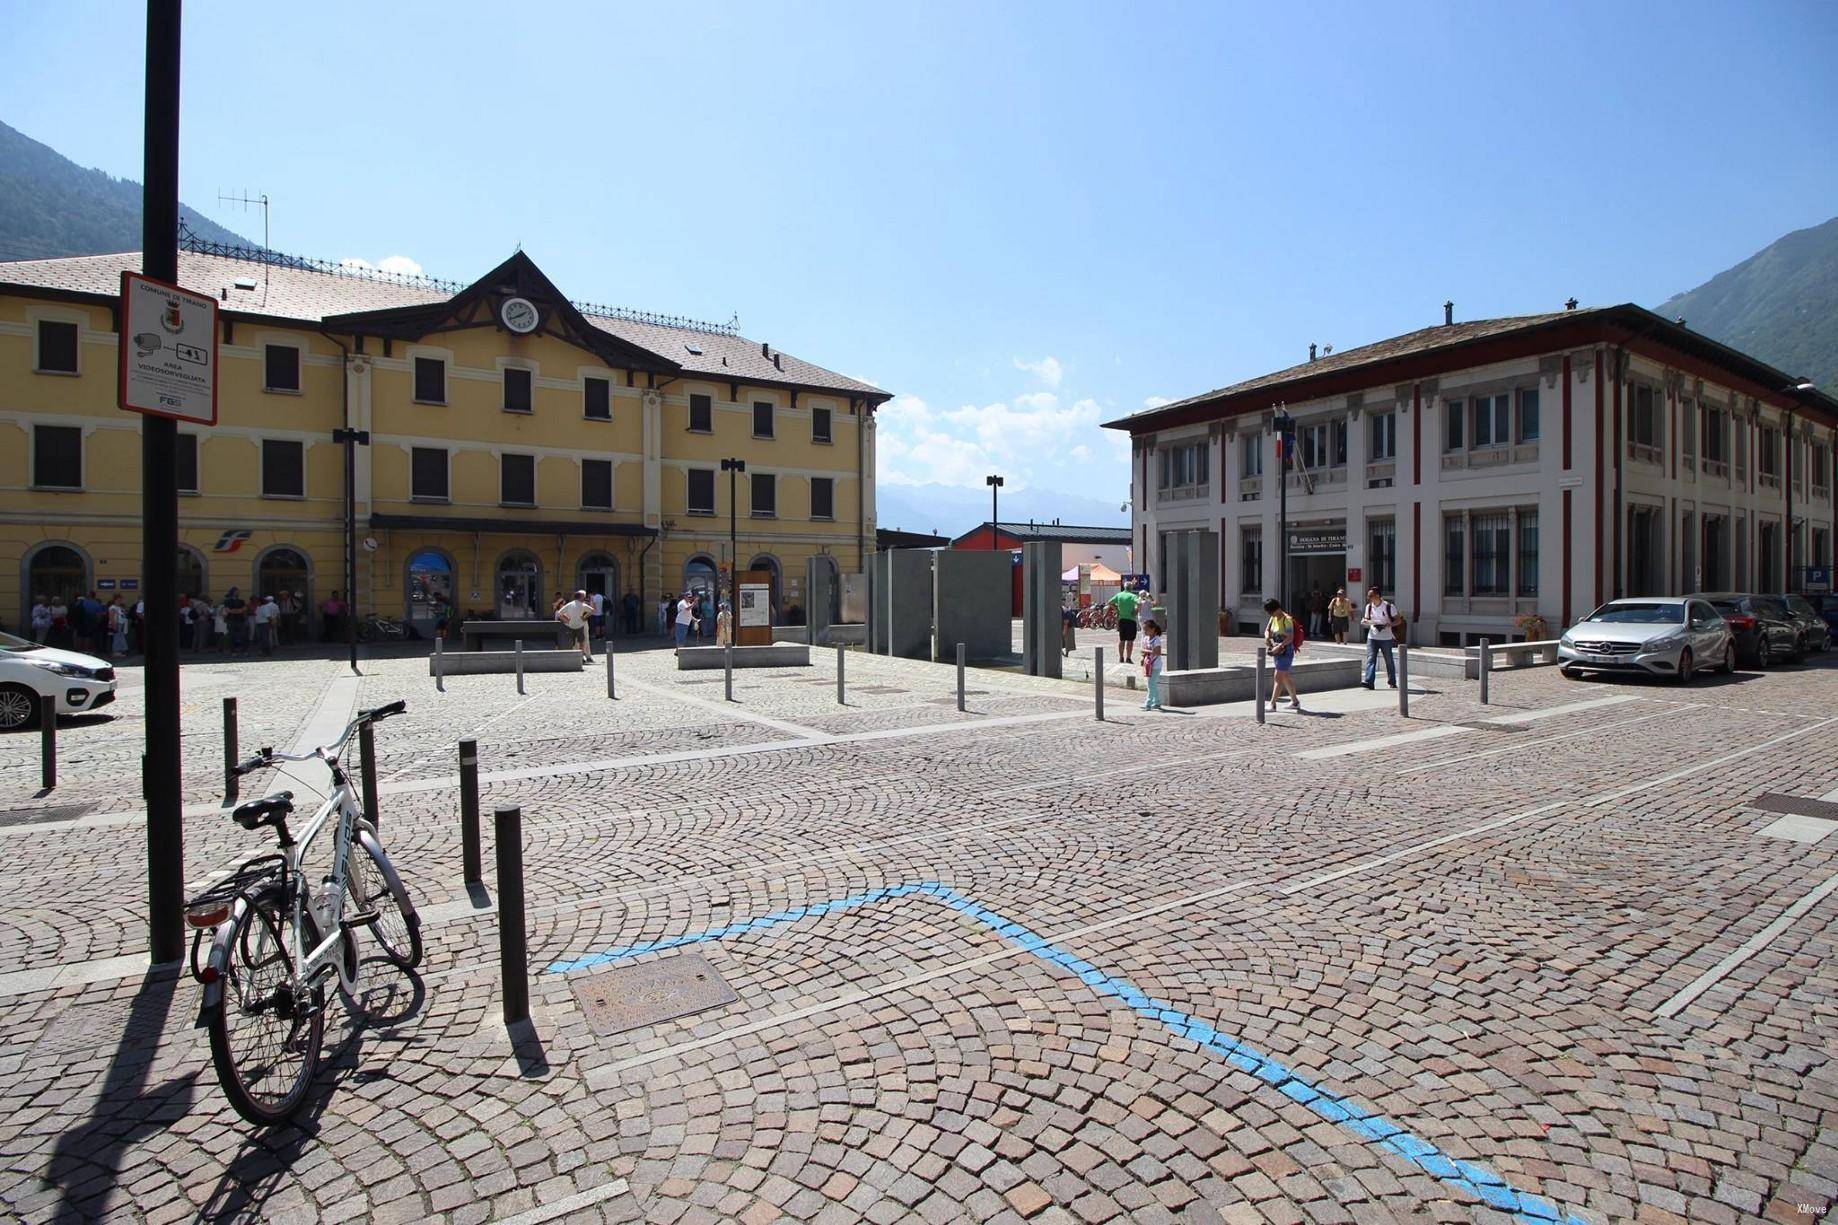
[(520, 444)]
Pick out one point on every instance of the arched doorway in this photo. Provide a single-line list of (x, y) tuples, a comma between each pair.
[(598, 573), (284, 573), (429, 576), (59, 572), (520, 595), (769, 564), (192, 577), (699, 577)]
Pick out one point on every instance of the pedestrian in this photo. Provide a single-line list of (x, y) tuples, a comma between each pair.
[(139, 619), (58, 633), (187, 633), (577, 614), (1380, 617), (1152, 662), (724, 626), (666, 612), (284, 622), (1317, 612), (220, 627), (443, 615), (1068, 629), (1280, 641), (41, 619), (598, 599), (331, 616), (685, 619), (265, 615), (1127, 603), (1339, 614), (236, 616), (632, 608), (201, 617), (117, 627), (298, 623)]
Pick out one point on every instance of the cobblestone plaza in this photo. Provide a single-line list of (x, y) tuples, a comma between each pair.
[(1537, 960)]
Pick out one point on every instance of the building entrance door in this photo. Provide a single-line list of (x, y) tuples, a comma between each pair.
[(1317, 560)]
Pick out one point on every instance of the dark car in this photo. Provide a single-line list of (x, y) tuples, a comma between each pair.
[(1813, 633), (1826, 605), (1759, 626)]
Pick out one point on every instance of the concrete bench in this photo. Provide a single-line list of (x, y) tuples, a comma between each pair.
[(473, 663), (536, 635), (1506, 655), (1212, 686), (778, 655), (839, 634)]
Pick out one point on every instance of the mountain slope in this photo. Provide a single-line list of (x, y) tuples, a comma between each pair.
[(50, 206), (1780, 304)]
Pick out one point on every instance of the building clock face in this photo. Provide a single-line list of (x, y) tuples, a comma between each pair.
[(519, 315)]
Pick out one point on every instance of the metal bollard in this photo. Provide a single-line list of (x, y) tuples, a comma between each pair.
[(611, 692), (1404, 679), (520, 665), (367, 765), (727, 667), (47, 743), (469, 811), (960, 676), (232, 786), (1486, 667), (1097, 677), (841, 656), (440, 674), (513, 951), (1261, 663)]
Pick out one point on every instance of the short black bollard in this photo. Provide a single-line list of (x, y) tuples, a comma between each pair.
[(440, 671), (520, 665), (960, 676), (611, 692), (367, 767), (469, 812), (1097, 676), (513, 953), (1403, 679), (1262, 653), (47, 744), (841, 655), (1486, 668), (232, 785)]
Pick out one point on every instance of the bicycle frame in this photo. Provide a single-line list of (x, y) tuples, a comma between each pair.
[(329, 914)]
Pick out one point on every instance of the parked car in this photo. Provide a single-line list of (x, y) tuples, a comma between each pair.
[(1666, 636), (1826, 605), (31, 674), (1762, 632), (1818, 631)]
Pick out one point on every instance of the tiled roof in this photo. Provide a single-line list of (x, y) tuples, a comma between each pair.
[(1059, 531), (310, 295)]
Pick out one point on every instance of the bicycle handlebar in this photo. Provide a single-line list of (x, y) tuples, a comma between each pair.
[(268, 757)]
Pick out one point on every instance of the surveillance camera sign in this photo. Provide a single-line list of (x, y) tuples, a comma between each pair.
[(168, 351)]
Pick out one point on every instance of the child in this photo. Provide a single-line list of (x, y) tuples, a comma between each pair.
[(1279, 637), (1152, 662), (724, 626)]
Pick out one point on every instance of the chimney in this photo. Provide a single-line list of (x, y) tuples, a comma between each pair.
[(1311, 353), (776, 363), (763, 352), (1448, 313), (1680, 321), (1570, 304)]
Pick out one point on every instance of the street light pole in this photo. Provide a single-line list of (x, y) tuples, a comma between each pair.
[(733, 467), (351, 439), (1285, 427), (995, 486)]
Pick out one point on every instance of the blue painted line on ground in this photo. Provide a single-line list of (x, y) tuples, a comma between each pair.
[(1475, 1179)]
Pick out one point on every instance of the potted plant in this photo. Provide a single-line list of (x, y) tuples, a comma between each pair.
[(1225, 623), (1533, 626)]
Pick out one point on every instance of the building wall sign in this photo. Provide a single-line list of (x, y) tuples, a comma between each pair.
[(1322, 540)]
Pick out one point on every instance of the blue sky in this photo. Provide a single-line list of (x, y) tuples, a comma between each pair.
[(1023, 218)]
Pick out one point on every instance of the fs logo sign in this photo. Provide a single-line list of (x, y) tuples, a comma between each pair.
[(232, 540)]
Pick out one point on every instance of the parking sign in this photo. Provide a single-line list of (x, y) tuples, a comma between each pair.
[(168, 350)]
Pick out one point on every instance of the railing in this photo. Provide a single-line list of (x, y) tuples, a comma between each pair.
[(1646, 453), (1381, 470), (1717, 468), (1769, 480), (1250, 488), (1184, 493)]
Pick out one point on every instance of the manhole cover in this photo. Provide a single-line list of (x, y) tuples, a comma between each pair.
[(40, 816), (632, 997), (1492, 727), (1795, 805)]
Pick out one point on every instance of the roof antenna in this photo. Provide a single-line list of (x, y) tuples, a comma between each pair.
[(247, 202)]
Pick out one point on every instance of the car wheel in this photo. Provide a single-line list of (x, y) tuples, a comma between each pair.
[(1729, 658), (18, 707), (1684, 666), (1575, 674)]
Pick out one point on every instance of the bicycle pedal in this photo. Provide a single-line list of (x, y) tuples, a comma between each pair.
[(363, 918)]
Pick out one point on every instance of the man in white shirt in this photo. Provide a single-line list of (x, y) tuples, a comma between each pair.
[(665, 607), (599, 618), (685, 618), (575, 615), (1380, 617), (41, 620), (265, 615)]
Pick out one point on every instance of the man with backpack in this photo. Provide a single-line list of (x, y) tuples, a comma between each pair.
[(1382, 624)]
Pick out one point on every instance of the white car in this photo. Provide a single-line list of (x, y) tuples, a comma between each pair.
[(1667, 636), (30, 674)]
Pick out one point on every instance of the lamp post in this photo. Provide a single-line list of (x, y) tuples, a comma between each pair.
[(995, 484), (351, 440), (1285, 427), (733, 467)]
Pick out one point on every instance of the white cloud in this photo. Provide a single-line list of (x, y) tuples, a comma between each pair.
[(1034, 426), (399, 265), (1082, 453), (1047, 370)]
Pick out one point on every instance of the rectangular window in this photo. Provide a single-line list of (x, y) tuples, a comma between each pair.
[(1338, 440), (1716, 448), (280, 368), (597, 399), (185, 462), (762, 418), (1382, 555), (1688, 429), (765, 501), (823, 497), (1251, 455), (1528, 552), (1492, 420), (517, 390), (597, 484), (428, 473), (1185, 466), (1491, 554), (701, 414), (1643, 422), (1451, 424), (1384, 437), (1768, 453), (1167, 468), (430, 380), (1454, 555), (1528, 414), (283, 468), (1313, 442), (1251, 563), (57, 347), (57, 456), (701, 491), (1821, 466), (820, 425), (517, 480)]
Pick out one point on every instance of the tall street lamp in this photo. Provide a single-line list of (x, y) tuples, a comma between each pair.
[(995, 484), (733, 467), (1285, 427), (351, 440)]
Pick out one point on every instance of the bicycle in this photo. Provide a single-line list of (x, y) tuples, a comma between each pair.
[(278, 940), (370, 629)]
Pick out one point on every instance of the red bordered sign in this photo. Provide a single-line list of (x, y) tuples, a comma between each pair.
[(168, 351)]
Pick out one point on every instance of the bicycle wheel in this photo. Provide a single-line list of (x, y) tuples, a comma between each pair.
[(371, 880), (264, 1042)]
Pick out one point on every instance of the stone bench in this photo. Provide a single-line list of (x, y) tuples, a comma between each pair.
[(839, 634), (1212, 686), (778, 655), (536, 635), (473, 663)]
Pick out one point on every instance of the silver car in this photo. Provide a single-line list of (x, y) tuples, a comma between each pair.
[(1656, 635)]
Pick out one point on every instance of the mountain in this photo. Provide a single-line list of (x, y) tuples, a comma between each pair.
[(50, 206), (1780, 305), (952, 510)]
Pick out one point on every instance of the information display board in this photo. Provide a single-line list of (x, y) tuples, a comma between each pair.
[(168, 351)]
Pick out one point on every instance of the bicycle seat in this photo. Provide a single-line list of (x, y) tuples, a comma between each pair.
[(269, 810)]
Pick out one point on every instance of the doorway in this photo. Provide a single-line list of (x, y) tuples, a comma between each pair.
[(598, 574), (430, 580), (519, 586), (1328, 571)]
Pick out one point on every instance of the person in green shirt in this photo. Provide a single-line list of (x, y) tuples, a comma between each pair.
[(1126, 603)]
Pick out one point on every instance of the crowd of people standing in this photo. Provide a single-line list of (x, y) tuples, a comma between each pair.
[(234, 625)]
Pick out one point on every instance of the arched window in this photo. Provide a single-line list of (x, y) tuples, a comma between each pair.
[(55, 571), (768, 564), (598, 572), (699, 576), (192, 577), (520, 587), (428, 577)]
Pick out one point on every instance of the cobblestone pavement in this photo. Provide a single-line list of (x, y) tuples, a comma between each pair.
[(1528, 961)]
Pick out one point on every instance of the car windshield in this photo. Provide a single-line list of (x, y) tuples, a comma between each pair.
[(10, 643), (1727, 606), (1771, 601), (1640, 614)]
